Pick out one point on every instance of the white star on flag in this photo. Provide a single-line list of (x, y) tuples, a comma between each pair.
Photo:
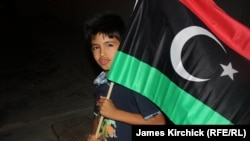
[(228, 70)]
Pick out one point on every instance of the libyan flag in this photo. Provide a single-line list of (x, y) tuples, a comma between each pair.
[(191, 63)]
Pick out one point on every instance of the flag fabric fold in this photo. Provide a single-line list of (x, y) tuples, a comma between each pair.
[(171, 57)]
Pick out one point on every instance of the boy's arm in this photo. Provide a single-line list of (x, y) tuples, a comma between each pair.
[(137, 119), (92, 136), (108, 110)]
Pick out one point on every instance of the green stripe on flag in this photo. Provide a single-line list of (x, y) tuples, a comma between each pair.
[(180, 106)]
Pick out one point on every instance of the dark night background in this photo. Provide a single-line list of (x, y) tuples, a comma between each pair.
[(44, 70)]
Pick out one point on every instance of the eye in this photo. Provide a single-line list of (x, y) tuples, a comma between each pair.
[(109, 45), (93, 48)]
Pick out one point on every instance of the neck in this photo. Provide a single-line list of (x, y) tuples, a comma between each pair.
[(106, 72)]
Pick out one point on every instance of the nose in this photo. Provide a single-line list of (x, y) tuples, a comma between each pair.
[(102, 51)]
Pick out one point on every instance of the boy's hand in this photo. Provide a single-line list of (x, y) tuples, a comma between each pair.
[(107, 107), (92, 137)]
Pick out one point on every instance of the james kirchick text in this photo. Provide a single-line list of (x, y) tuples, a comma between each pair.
[(171, 132)]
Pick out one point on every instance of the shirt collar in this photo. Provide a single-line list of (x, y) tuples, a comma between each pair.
[(101, 79)]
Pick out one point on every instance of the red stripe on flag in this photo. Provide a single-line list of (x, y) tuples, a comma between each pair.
[(234, 34)]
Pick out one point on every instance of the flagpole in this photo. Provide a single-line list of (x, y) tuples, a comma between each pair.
[(101, 118)]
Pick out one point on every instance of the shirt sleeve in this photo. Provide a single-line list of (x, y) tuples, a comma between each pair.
[(147, 108)]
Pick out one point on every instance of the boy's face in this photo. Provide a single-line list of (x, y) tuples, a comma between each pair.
[(104, 50)]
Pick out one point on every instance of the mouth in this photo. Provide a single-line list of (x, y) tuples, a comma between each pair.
[(104, 61)]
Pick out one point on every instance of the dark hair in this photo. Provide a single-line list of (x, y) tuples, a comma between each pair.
[(105, 22)]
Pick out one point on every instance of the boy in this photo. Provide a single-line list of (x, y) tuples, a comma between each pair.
[(125, 107)]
